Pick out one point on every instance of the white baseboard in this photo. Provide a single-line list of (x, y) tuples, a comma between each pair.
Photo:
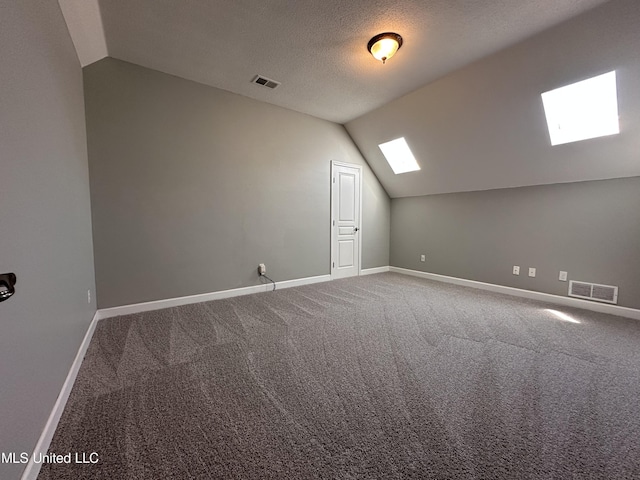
[(518, 292), (33, 469), (371, 271), (205, 297), (301, 281)]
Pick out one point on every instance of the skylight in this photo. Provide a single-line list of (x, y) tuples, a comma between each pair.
[(582, 110), (399, 156)]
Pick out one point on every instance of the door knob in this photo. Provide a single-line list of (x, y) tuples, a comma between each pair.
[(8, 281), (355, 229)]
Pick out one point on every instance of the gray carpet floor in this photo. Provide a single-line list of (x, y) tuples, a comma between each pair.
[(378, 377)]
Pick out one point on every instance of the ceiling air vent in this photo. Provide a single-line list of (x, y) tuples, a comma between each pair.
[(593, 291), (265, 82)]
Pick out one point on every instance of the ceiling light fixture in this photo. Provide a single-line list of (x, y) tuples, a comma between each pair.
[(384, 45)]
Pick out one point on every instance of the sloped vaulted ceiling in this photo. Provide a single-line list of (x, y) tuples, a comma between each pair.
[(483, 126), (464, 89), (317, 49)]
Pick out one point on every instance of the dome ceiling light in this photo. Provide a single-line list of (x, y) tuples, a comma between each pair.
[(384, 45)]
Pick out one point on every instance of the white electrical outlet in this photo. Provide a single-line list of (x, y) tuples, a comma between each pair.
[(89, 296), (423, 258), (516, 270), (262, 269), (563, 276), (532, 272)]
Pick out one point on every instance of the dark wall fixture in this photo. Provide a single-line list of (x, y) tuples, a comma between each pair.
[(8, 281)]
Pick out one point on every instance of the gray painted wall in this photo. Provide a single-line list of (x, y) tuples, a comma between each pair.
[(589, 229), (45, 219), (192, 187), (483, 127)]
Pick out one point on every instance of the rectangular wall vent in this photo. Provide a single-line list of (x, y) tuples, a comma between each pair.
[(265, 82), (593, 291)]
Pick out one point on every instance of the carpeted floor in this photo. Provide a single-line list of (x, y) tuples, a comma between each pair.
[(378, 377)]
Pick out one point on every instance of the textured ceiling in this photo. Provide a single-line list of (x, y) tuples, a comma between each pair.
[(483, 126), (317, 49)]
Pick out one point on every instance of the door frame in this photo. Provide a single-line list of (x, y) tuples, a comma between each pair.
[(336, 163)]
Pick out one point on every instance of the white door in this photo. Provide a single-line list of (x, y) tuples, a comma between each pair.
[(346, 204)]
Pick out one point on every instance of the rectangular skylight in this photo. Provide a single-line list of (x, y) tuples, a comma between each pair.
[(399, 156), (582, 110)]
